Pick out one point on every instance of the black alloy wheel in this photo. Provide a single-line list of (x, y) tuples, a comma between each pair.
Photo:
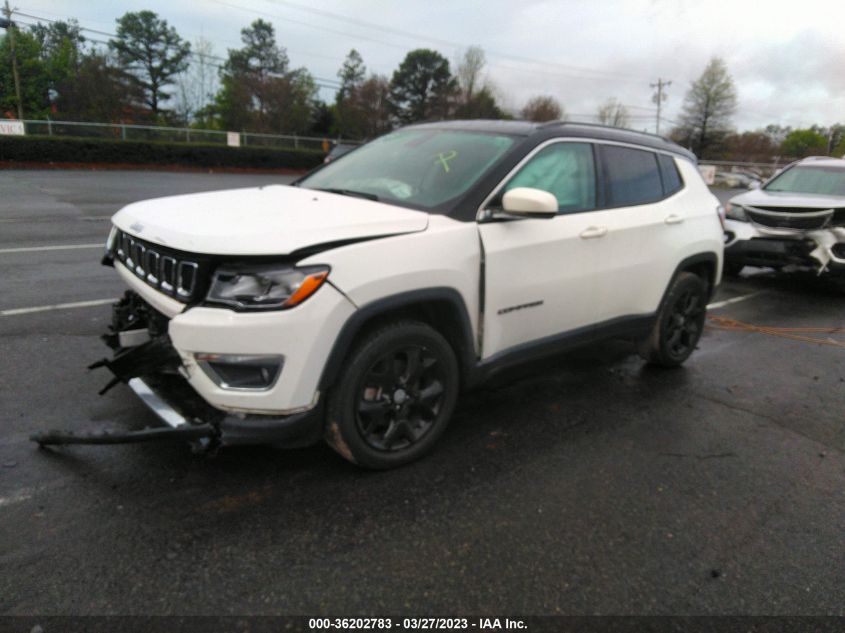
[(400, 397), (683, 328), (395, 396), (679, 323)]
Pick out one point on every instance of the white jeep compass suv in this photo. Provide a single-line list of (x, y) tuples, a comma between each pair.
[(358, 302)]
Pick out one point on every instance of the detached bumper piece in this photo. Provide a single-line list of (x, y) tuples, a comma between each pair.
[(153, 356)]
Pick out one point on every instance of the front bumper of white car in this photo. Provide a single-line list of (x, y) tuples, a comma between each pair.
[(749, 244), (253, 375)]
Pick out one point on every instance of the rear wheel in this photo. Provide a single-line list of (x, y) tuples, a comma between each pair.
[(395, 398), (679, 324)]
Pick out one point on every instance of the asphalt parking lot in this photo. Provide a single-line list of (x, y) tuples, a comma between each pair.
[(587, 485)]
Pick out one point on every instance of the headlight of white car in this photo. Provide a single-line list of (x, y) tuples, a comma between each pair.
[(265, 287), (736, 212)]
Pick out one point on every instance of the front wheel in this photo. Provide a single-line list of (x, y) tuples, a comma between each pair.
[(679, 323), (395, 398)]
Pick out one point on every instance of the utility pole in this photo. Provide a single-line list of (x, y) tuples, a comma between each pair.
[(10, 29), (659, 97)]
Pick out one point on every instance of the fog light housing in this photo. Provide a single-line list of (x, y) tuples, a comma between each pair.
[(241, 372)]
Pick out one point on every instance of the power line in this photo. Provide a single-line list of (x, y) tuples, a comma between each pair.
[(408, 34), (545, 64), (113, 35), (331, 84)]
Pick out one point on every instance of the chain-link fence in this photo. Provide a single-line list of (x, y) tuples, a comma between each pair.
[(130, 132)]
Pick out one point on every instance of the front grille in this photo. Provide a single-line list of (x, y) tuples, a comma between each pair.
[(183, 276), (795, 219)]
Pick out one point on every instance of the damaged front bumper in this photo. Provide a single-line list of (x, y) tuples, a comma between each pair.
[(821, 250), (152, 369)]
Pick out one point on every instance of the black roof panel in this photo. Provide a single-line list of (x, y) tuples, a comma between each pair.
[(561, 128)]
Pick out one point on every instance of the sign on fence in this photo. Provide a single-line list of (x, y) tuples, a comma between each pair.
[(233, 139), (12, 128), (708, 172)]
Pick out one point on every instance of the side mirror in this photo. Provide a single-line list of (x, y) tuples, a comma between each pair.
[(527, 202)]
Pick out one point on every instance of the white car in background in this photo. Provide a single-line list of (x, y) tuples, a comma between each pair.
[(796, 218)]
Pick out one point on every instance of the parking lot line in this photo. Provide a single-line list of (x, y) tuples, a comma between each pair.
[(721, 304), (58, 247), (57, 306)]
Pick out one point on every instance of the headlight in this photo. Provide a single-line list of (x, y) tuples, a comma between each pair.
[(736, 212), (266, 287), (110, 239)]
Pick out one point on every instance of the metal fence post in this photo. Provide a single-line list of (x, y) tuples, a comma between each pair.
[(295, 142), (49, 127), (123, 132)]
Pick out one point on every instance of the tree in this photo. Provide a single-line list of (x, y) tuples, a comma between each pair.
[(350, 120), (543, 108), (422, 88), (708, 106), (468, 73), (482, 105), (801, 143), (152, 53), (61, 45), (33, 74), (373, 101), (98, 91), (258, 90), (351, 74), (613, 113), (197, 85), (752, 147)]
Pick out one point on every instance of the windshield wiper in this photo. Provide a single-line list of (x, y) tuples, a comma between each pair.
[(350, 192)]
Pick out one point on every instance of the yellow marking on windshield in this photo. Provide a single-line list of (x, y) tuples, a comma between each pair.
[(444, 159)]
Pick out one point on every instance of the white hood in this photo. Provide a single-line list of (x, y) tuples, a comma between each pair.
[(763, 198), (273, 220)]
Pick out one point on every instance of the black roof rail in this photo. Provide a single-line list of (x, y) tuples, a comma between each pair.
[(563, 122)]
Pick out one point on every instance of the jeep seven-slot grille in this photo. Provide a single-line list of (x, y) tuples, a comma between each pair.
[(183, 276)]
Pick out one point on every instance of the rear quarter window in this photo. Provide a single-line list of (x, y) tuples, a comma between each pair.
[(672, 182), (632, 176)]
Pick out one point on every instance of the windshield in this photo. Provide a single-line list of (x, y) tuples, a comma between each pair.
[(821, 180), (418, 168)]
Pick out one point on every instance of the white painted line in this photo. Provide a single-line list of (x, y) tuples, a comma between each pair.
[(16, 498), (58, 306), (67, 247), (727, 302)]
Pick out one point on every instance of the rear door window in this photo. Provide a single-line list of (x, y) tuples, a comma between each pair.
[(632, 176)]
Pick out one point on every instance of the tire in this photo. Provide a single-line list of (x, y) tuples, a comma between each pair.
[(732, 269), (396, 395), (679, 323)]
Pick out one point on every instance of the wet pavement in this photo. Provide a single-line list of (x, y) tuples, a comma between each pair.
[(590, 484)]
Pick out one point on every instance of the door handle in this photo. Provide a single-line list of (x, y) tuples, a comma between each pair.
[(673, 219), (593, 231)]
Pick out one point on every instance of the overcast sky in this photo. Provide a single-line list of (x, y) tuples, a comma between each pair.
[(787, 58)]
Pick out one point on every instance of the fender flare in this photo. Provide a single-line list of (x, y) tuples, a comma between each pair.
[(363, 315), (710, 258)]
